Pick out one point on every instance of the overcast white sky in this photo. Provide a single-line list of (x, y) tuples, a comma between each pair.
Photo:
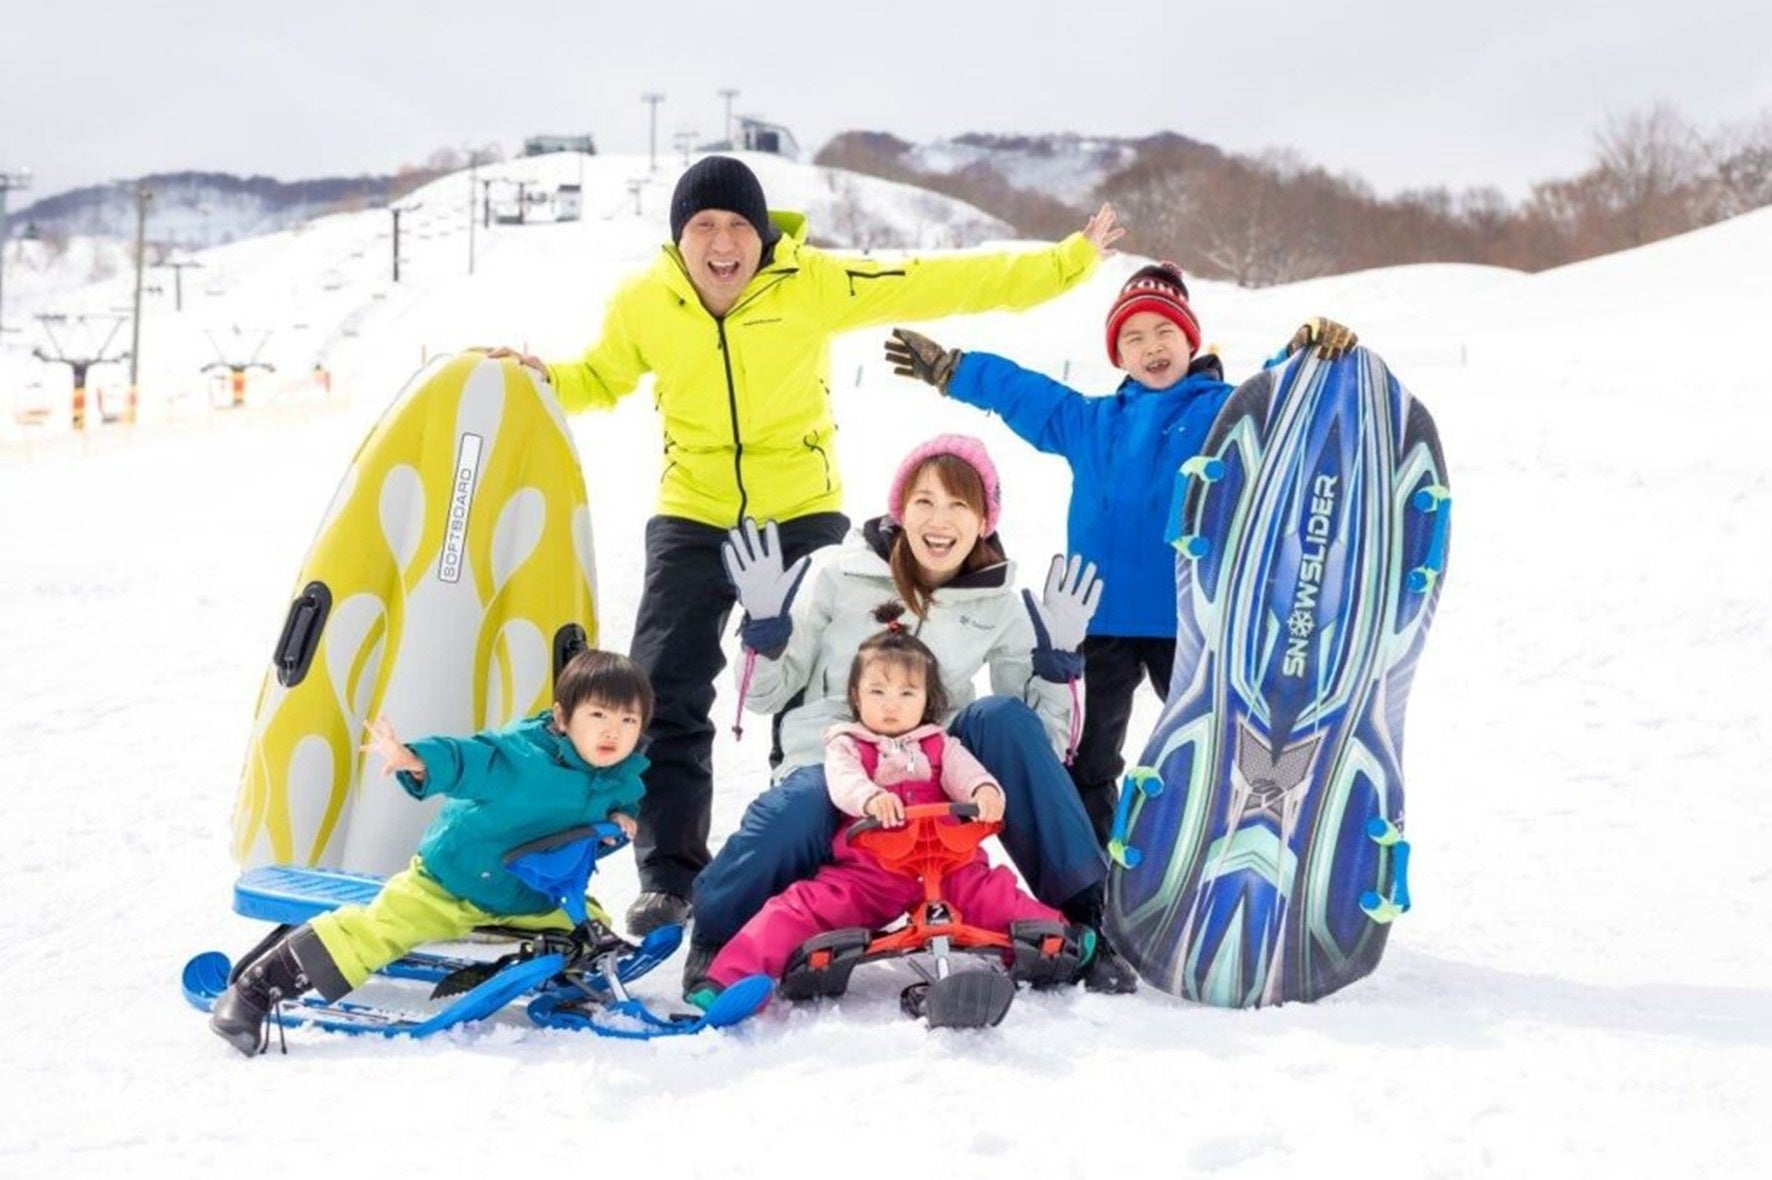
[(1405, 93)]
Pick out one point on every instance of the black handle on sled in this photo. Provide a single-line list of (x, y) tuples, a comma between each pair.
[(301, 633), (957, 810)]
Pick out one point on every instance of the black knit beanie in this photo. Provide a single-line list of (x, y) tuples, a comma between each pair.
[(721, 182)]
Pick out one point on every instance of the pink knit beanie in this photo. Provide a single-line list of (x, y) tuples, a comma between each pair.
[(965, 448)]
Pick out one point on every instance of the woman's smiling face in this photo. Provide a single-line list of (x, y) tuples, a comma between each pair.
[(940, 526)]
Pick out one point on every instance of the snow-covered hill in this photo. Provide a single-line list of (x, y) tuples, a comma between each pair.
[(322, 294), (1583, 988)]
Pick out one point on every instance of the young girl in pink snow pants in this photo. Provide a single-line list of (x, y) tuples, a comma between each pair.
[(893, 756)]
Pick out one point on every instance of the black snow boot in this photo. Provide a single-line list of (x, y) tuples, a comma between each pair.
[(294, 965), (1105, 971)]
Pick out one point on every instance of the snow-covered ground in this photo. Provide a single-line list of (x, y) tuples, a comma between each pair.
[(1584, 986)]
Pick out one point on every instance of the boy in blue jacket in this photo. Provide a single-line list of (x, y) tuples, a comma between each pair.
[(571, 765), (1124, 451)]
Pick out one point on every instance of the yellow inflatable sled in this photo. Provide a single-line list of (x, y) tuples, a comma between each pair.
[(451, 577)]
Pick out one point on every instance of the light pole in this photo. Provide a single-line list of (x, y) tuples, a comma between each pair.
[(728, 93), (652, 99), (8, 181), (473, 183), (143, 195)]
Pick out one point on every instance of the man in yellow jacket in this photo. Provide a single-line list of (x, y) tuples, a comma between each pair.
[(735, 321)]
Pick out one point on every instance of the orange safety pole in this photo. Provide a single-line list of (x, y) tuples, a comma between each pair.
[(129, 406), (79, 405), (237, 384)]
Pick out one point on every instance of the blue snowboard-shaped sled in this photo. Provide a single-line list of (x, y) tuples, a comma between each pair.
[(573, 980), (1258, 853)]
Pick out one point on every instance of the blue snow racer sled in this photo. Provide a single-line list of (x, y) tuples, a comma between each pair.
[(1257, 852), (575, 979)]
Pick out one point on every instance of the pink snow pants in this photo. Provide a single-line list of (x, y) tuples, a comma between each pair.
[(854, 890)]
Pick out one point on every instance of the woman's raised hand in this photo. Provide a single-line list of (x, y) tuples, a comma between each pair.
[(1061, 617), (765, 589)]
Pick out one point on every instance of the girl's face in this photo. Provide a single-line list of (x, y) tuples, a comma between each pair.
[(603, 734), (940, 526), (890, 696)]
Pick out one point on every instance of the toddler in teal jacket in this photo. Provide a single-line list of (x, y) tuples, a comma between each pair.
[(572, 765)]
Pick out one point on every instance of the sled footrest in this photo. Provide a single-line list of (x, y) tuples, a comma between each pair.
[(1046, 954), (822, 965)]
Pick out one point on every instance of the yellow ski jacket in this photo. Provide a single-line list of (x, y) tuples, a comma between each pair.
[(748, 428)]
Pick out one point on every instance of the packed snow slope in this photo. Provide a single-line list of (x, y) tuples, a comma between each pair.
[(1583, 988)]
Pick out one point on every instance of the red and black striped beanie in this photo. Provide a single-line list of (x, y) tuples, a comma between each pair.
[(1159, 288)]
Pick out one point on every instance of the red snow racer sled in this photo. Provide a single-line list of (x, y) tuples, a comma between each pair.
[(936, 839)]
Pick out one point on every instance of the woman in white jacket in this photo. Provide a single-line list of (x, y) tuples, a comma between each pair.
[(936, 551)]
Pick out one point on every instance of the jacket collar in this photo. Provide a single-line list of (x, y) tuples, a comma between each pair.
[(862, 733)]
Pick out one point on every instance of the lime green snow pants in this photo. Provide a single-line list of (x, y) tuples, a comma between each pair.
[(411, 910)]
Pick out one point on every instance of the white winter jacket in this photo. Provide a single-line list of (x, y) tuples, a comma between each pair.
[(976, 621)]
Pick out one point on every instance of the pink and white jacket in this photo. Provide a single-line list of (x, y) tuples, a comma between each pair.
[(901, 760)]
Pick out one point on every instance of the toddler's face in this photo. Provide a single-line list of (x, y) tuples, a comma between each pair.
[(889, 697), (1153, 350), (602, 733)]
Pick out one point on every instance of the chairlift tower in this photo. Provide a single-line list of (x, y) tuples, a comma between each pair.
[(178, 270), (728, 93), (652, 99), (397, 210), (80, 363), (237, 367)]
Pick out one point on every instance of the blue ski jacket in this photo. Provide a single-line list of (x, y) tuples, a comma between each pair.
[(505, 787), (1124, 451)]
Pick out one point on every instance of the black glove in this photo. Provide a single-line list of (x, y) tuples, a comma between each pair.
[(913, 355), (1332, 340)]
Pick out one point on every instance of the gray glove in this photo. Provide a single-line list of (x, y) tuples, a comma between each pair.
[(765, 589), (1061, 617)]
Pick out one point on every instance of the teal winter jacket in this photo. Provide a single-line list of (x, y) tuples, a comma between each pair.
[(505, 787)]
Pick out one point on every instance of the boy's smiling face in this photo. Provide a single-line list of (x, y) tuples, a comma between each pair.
[(1153, 350)]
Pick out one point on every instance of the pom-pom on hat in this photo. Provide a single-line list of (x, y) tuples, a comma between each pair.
[(968, 450), (1157, 288), (721, 182)]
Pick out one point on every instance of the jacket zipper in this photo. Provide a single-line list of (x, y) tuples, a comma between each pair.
[(732, 407), (732, 390), (879, 274)]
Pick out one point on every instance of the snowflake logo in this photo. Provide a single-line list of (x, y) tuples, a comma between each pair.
[(1300, 624)]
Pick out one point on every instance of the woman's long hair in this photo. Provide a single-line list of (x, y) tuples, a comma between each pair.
[(961, 479), (896, 645)]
